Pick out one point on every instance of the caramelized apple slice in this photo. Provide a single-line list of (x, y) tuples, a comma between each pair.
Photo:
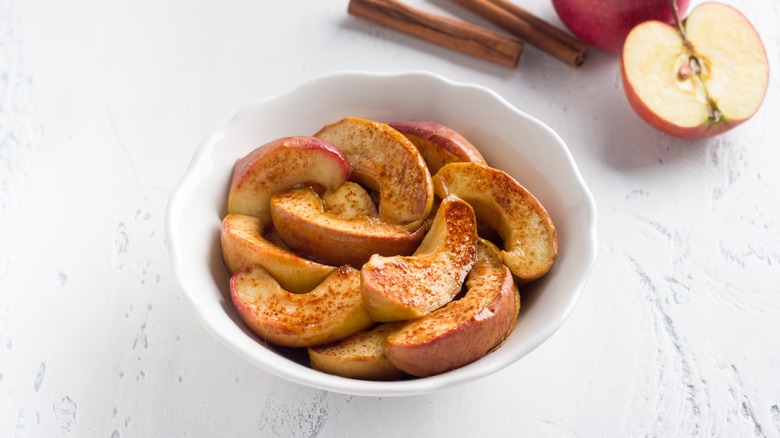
[(349, 200), (331, 311), (243, 245), (360, 356), (463, 330), (301, 221), (398, 288), (437, 143), (530, 239), (384, 160), (280, 165)]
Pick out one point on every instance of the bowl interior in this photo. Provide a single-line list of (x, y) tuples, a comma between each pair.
[(509, 139)]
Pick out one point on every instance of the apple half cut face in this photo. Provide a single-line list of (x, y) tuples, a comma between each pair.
[(438, 144), (281, 165), (299, 218), (406, 287), (530, 238), (331, 311), (360, 356), (464, 330), (244, 245), (383, 159), (701, 85)]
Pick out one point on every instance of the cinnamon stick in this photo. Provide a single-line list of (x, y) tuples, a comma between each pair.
[(530, 28), (463, 37)]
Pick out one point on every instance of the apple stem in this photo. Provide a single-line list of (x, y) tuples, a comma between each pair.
[(678, 23), (715, 114), (694, 66)]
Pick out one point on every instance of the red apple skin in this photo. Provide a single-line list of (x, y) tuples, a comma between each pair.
[(604, 24), (280, 165), (438, 144), (295, 142)]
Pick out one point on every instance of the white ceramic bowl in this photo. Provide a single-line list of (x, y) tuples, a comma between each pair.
[(508, 138)]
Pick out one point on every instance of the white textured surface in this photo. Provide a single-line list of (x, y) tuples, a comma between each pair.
[(101, 107)]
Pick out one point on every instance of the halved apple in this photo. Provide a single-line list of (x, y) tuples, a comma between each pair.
[(463, 330), (243, 245), (349, 200), (384, 160), (437, 143), (406, 287), (530, 239), (299, 218), (280, 165), (331, 311), (697, 81), (360, 356)]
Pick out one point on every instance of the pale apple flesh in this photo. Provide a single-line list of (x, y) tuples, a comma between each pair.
[(406, 287), (349, 200), (331, 311), (384, 160), (299, 218), (280, 165), (438, 144), (529, 237), (464, 330), (243, 245), (659, 72), (360, 356)]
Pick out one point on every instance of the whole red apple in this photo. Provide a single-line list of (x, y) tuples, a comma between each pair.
[(604, 24)]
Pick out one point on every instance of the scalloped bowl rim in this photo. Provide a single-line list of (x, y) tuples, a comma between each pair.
[(198, 203)]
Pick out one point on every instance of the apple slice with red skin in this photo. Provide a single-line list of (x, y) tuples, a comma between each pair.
[(529, 237), (437, 143), (299, 218), (406, 287), (243, 245), (280, 165), (331, 311), (360, 356), (384, 160), (698, 80), (464, 330)]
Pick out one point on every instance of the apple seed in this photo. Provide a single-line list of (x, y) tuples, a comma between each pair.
[(684, 72)]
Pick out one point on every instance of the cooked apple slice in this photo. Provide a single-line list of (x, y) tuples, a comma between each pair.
[(349, 200), (530, 239), (437, 143), (384, 160), (281, 165), (360, 356), (406, 287), (243, 245), (301, 221), (698, 83), (331, 311), (273, 236), (463, 330)]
